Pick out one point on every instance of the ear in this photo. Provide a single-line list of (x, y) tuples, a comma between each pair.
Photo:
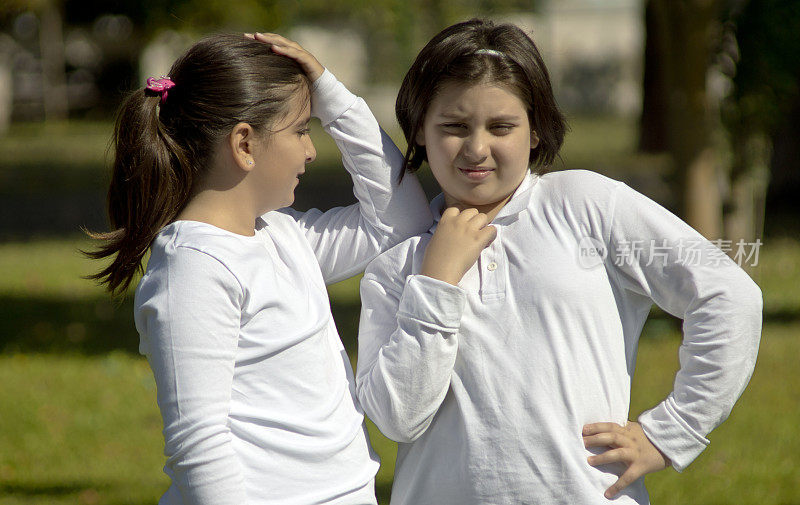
[(242, 140), (420, 138), (534, 140)]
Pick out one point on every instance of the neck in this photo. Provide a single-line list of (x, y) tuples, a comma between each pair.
[(490, 209), (223, 209)]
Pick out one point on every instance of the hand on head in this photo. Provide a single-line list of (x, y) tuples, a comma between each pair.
[(293, 50), (629, 445), (457, 243)]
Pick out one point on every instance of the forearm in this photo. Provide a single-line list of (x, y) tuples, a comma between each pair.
[(387, 211), (718, 355), (689, 277), (205, 467), (406, 361)]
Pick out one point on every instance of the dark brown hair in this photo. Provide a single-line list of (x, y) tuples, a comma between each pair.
[(478, 51), (162, 149)]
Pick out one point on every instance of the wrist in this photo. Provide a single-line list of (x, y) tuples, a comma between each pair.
[(314, 73), (448, 277)]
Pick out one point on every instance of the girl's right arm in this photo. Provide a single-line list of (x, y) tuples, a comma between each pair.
[(188, 312), (388, 211), (408, 334)]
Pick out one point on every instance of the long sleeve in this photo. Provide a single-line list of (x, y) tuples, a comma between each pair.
[(407, 347), (346, 239), (189, 321), (656, 255)]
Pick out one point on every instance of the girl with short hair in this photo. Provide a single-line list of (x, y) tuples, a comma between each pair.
[(498, 348)]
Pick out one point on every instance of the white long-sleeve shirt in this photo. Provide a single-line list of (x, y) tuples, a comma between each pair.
[(488, 384), (254, 386)]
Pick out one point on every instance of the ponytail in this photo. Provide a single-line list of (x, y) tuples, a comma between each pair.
[(150, 184), (164, 144)]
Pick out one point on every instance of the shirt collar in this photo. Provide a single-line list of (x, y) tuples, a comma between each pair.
[(516, 204)]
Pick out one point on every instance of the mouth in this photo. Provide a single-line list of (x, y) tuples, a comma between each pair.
[(299, 174), (476, 173)]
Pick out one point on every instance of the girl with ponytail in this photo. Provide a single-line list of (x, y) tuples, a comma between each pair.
[(254, 386)]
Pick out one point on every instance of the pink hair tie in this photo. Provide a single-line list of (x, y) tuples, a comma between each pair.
[(160, 86)]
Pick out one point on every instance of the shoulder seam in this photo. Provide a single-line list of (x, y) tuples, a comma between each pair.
[(226, 267)]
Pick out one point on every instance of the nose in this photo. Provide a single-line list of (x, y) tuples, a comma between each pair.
[(475, 148), (311, 152)]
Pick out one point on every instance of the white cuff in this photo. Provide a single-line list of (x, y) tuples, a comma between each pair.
[(671, 435), (432, 302)]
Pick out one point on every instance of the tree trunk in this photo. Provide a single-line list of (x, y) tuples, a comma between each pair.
[(51, 41), (749, 180), (653, 123), (681, 35)]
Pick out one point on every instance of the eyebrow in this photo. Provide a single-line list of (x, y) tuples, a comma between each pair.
[(303, 120), (504, 117)]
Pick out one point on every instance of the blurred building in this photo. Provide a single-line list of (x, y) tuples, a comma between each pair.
[(593, 49)]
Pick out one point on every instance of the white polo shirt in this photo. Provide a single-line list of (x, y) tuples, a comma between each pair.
[(488, 384)]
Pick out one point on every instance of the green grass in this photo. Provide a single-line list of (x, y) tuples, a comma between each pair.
[(78, 418), (752, 458), (79, 423), (79, 429)]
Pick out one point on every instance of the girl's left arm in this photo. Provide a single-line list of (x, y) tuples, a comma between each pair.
[(654, 254), (346, 239)]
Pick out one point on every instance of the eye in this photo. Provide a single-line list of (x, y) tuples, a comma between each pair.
[(455, 128), (304, 131), (503, 128)]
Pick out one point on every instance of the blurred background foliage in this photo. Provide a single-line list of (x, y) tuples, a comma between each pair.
[(707, 125)]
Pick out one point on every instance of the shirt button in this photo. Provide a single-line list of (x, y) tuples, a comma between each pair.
[(491, 266)]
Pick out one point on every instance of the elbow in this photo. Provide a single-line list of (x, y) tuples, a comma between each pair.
[(394, 419), (749, 299), (402, 431), (741, 295), (756, 298), (410, 429)]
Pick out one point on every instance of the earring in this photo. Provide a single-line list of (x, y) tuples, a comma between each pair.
[(249, 162)]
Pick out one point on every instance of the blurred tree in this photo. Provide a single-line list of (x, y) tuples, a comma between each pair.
[(756, 44), (393, 30), (763, 112), (681, 38)]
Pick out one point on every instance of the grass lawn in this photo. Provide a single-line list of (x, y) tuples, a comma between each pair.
[(78, 418), (79, 424)]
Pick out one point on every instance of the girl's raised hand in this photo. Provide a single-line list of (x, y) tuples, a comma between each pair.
[(293, 50), (628, 445), (457, 243)]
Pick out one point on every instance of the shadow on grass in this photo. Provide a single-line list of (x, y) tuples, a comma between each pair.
[(383, 491), (97, 326), (40, 489)]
